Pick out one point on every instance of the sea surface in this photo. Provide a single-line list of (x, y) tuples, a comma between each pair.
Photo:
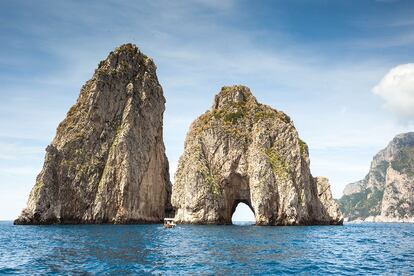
[(352, 249)]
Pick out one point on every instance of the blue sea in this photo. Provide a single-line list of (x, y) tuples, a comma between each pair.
[(352, 249)]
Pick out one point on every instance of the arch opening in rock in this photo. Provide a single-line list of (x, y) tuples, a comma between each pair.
[(242, 213)]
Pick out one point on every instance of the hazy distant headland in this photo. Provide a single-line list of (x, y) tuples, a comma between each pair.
[(386, 194)]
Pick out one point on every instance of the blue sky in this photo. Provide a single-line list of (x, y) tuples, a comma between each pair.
[(318, 61)]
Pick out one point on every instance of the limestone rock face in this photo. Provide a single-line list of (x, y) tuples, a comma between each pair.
[(243, 151), (331, 208), (387, 192), (107, 162), (353, 188)]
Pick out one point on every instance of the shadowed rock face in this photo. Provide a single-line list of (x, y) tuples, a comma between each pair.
[(243, 151), (106, 163)]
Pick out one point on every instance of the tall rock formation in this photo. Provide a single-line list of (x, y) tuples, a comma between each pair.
[(243, 151), (107, 162), (387, 192)]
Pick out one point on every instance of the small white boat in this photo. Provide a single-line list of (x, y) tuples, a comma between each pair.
[(169, 223)]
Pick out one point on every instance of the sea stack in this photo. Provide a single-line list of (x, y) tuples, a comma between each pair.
[(107, 162), (386, 194), (244, 151)]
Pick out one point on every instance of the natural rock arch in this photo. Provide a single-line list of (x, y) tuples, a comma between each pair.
[(243, 151), (237, 204), (238, 191)]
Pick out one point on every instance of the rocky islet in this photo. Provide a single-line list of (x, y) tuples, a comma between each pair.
[(244, 151), (107, 162)]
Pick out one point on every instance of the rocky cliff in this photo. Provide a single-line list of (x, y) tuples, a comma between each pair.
[(106, 163), (243, 151), (387, 192)]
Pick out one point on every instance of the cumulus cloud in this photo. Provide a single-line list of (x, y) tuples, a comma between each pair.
[(397, 90)]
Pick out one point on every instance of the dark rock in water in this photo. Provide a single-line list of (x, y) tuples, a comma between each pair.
[(107, 163), (243, 151), (386, 194)]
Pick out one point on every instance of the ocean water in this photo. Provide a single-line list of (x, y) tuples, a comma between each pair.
[(352, 249)]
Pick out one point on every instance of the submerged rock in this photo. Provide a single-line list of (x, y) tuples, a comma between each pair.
[(386, 194), (107, 162), (243, 151)]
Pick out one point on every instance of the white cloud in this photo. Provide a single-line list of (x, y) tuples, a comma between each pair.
[(397, 90)]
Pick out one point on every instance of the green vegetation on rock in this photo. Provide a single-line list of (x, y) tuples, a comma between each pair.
[(303, 147), (361, 205), (233, 117), (263, 115), (279, 167), (212, 181)]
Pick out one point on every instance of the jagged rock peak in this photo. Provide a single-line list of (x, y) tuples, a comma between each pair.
[(244, 151), (403, 140), (107, 162), (231, 95), (126, 57)]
